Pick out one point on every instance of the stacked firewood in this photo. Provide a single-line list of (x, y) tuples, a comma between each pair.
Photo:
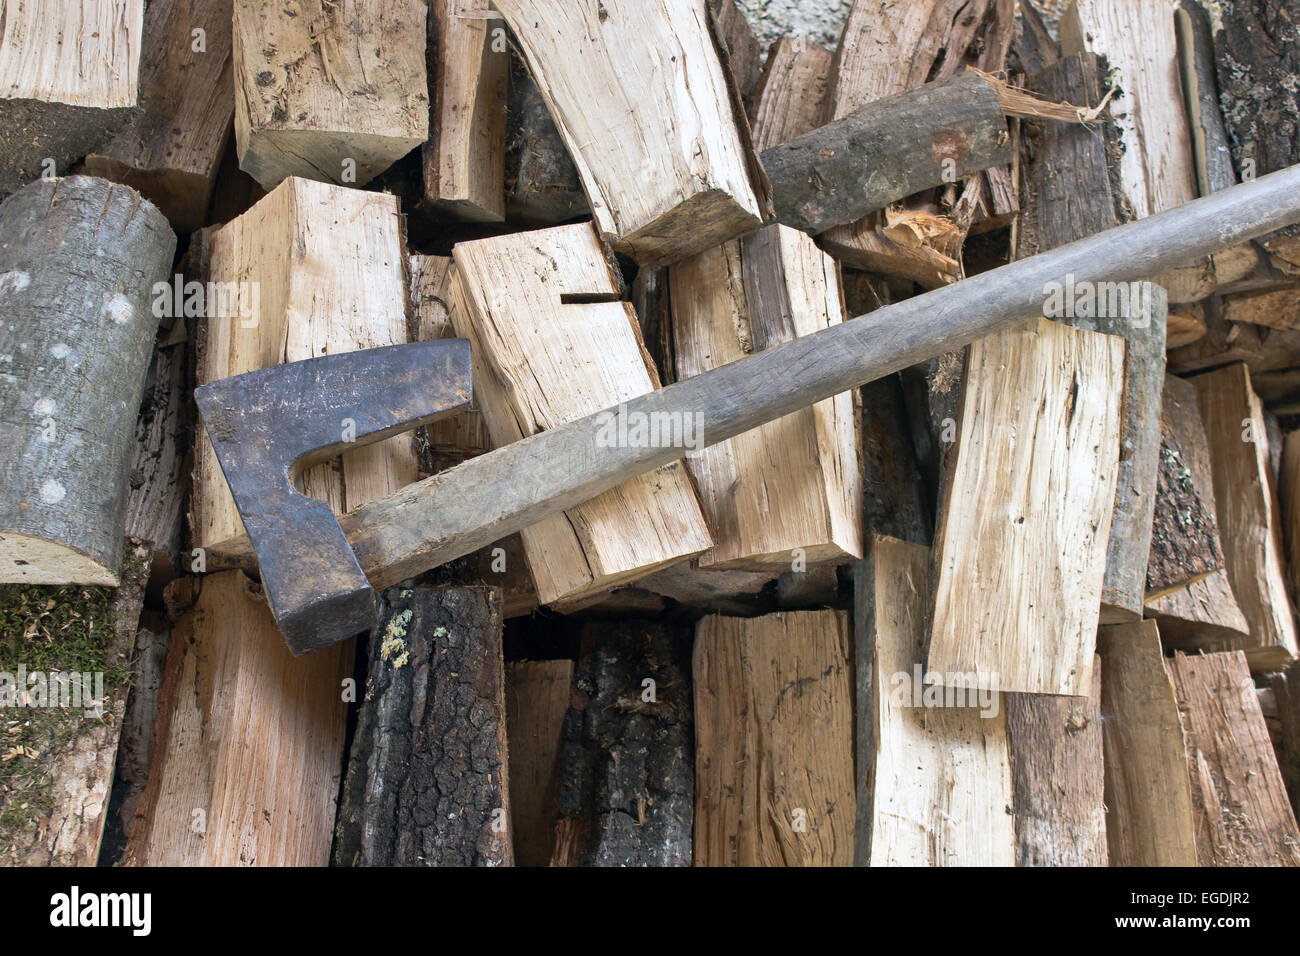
[(1029, 603)]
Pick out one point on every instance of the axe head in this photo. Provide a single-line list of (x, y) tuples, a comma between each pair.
[(267, 426)]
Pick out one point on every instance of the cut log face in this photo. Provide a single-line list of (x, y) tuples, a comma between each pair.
[(1020, 548), (77, 268), (69, 77), (1149, 818), (464, 159), (774, 765), (541, 359), (789, 492), (1241, 809), (329, 91), (934, 778), (790, 96), (312, 269), (250, 739), (1248, 513), (426, 781), (537, 697), (171, 149), (683, 178)]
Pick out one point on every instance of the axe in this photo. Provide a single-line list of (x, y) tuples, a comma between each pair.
[(319, 572)]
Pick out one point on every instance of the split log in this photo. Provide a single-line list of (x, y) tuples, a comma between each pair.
[(138, 745), (77, 268), (69, 78), (1057, 777), (329, 91), (249, 738), (774, 740), (789, 97), (714, 590), (788, 493), (311, 268), (660, 189), (464, 158), (1020, 548), (1184, 326), (537, 697), (1149, 818), (558, 347), (1286, 694), (426, 780), (1156, 169), (1240, 803), (1289, 491), (1257, 51), (1276, 308), (934, 779), (744, 53), (626, 781), (1247, 512), (541, 182), (171, 148), (1185, 545)]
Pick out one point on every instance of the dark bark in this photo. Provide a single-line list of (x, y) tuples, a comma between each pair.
[(1286, 693), (895, 503), (542, 186)]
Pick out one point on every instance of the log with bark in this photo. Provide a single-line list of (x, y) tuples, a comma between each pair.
[(426, 780), (77, 268), (541, 182), (894, 499)]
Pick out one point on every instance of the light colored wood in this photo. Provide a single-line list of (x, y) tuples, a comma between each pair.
[(1289, 481), (324, 267), (250, 740), (1241, 809), (642, 101), (170, 150), (465, 157), (1020, 546), (1276, 309), (1185, 326), (790, 96), (774, 740), (537, 697), (1156, 166), (791, 488), (934, 781), (539, 362), (334, 91), (82, 53), (1248, 513), (1148, 793)]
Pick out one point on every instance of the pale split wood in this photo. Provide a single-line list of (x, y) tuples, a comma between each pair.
[(1020, 547), (249, 743), (1240, 803), (541, 361), (933, 781), (649, 78), (1276, 309), (324, 266), (773, 740), (789, 97), (1149, 818), (537, 696), (81, 52)]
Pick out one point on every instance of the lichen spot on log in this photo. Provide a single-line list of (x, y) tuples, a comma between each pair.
[(394, 644)]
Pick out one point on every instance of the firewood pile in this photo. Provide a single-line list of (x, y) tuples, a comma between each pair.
[(1026, 600)]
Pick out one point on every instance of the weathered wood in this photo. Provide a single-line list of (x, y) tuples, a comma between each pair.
[(464, 158), (670, 188), (77, 266), (1149, 816), (171, 148), (1276, 308), (744, 53), (464, 508), (311, 268), (789, 492), (1240, 803), (1289, 495), (541, 182), (426, 781), (69, 76), (136, 750), (789, 97), (715, 590), (933, 780), (774, 740), (537, 697), (1034, 44), (894, 499), (329, 91), (1020, 542), (249, 738), (1057, 777), (1286, 694), (1185, 543), (1247, 512), (626, 780), (542, 359)]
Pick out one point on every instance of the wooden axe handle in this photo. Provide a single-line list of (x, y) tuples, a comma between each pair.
[(484, 499)]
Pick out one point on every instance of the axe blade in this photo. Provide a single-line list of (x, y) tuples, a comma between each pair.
[(267, 426)]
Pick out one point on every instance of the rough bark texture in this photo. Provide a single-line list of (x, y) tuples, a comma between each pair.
[(627, 773), (542, 187), (426, 781), (894, 495), (78, 262)]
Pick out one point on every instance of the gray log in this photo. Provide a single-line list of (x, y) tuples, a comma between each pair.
[(78, 260)]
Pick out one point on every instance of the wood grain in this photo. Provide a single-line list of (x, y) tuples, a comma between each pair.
[(537, 696)]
